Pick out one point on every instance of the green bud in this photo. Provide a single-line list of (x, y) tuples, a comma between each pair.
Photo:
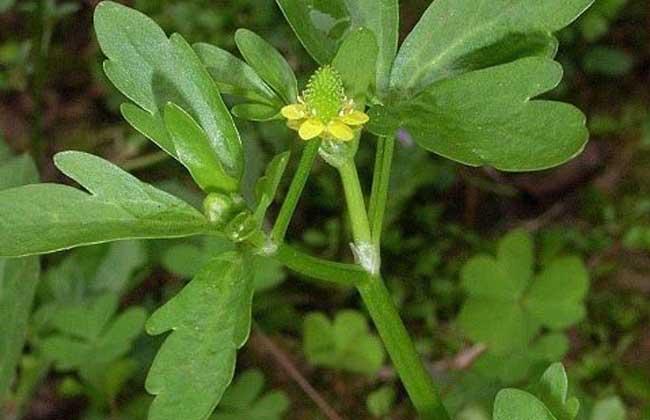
[(219, 208)]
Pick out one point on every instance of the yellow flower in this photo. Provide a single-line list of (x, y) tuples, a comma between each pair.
[(323, 110)]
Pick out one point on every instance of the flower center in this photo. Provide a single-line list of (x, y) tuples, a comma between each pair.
[(325, 95)]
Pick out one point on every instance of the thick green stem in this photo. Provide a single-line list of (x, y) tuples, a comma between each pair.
[(295, 191), (411, 370), (356, 203), (319, 269), (414, 375)]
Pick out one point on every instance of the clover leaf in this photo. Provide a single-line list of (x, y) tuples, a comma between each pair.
[(89, 333), (550, 401), (507, 305), (244, 399), (344, 344), (210, 320), (43, 218)]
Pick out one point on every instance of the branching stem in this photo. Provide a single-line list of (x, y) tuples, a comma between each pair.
[(295, 191)]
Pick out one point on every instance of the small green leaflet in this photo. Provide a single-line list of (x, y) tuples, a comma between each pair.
[(18, 277), (321, 26), (152, 70), (18, 281), (43, 218), (193, 149), (611, 408), (486, 117), (344, 344), (244, 399), (456, 36), (234, 76), (356, 60), (552, 395), (515, 366), (89, 334), (210, 320), (269, 64), (507, 306)]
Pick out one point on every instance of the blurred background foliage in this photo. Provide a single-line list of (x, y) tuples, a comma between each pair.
[(313, 353)]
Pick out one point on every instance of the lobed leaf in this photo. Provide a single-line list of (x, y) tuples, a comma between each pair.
[(486, 117), (42, 218), (457, 36), (152, 70), (89, 334), (210, 319), (322, 26)]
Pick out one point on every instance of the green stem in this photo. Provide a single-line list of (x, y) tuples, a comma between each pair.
[(414, 375), (319, 269), (295, 191), (411, 370), (380, 184), (356, 203)]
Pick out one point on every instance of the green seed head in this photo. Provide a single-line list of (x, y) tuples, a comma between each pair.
[(325, 93)]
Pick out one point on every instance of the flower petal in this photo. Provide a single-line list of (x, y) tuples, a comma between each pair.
[(294, 111), (337, 129), (355, 118), (311, 128)]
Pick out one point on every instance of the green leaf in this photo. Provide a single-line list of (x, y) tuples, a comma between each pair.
[(117, 267), (513, 404), (234, 76), (17, 171), (45, 218), (193, 150), (549, 402), (516, 366), (507, 305), (552, 301), (321, 26), (356, 61), (152, 70), (553, 389), (453, 35), (267, 186), (269, 64), (18, 281), (344, 344), (381, 401), (89, 334), (210, 319), (245, 400), (256, 112), (486, 117), (611, 408)]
